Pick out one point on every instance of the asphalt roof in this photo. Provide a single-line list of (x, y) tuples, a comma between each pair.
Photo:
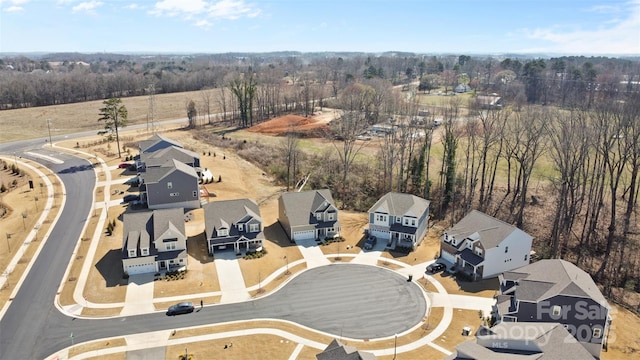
[(144, 145), (398, 204), (490, 231), (339, 351), (155, 174), (299, 206), (141, 228), (550, 277), (160, 157), (228, 212)]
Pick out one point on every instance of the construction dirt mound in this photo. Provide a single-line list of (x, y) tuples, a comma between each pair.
[(300, 125)]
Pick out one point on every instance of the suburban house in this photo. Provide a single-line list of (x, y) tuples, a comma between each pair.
[(336, 350), (481, 246), (462, 88), (234, 224), (160, 157), (492, 101), (308, 214), (401, 219), (154, 241), (555, 291), (172, 185), (155, 143), (517, 341)]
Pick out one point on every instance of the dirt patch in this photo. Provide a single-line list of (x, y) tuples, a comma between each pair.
[(302, 126)]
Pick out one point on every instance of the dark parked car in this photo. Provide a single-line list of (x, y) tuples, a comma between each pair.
[(181, 308), (370, 242), (435, 268), (130, 198)]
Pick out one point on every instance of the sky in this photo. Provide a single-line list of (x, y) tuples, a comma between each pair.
[(557, 27)]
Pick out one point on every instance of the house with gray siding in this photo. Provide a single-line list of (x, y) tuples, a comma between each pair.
[(519, 341), (555, 291), (154, 241), (308, 215), (400, 219), (171, 185), (481, 246), (155, 143), (160, 157), (233, 224)]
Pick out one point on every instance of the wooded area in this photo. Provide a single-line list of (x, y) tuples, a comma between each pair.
[(560, 158)]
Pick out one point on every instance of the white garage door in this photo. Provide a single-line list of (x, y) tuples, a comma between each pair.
[(141, 269), (304, 235), (448, 257), (380, 234)]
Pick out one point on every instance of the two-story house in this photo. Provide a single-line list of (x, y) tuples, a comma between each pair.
[(154, 241), (308, 215), (518, 341), (555, 291), (151, 145), (401, 219), (159, 158), (482, 246), (233, 224), (171, 185)]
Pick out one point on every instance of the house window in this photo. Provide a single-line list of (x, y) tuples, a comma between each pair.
[(506, 249), (132, 253), (145, 252), (240, 227), (318, 216), (478, 252), (181, 261), (413, 222), (330, 216), (174, 194), (525, 257), (223, 232), (171, 245), (254, 227), (398, 219), (195, 194), (169, 185), (556, 310), (597, 332)]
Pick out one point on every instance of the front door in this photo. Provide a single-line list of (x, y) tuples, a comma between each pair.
[(163, 265)]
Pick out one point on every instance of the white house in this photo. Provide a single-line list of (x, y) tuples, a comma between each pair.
[(482, 246), (401, 219)]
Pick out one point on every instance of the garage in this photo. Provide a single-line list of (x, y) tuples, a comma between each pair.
[(304, 235), (380, 234), (141, 268)]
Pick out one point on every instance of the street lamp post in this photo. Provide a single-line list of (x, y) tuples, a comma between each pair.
[(287, 260), (395, 345), (49, 128)]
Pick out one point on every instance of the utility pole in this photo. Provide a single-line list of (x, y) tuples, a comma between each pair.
[(49, 128), (152, 107)]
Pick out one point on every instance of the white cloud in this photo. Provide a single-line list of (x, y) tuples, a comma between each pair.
[(132, 6), (14, 9), (203, 24), (89, 7), (615, 36), (223, 9)]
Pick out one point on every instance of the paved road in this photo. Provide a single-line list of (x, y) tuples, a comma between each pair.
[(357, 301)]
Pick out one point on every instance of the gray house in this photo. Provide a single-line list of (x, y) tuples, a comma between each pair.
[(160, 157), (401, 219), (339, 351), (555, 291), (171, 185), (155, 143), (308, 214), (518, 341), (233, 224), (154, 241)]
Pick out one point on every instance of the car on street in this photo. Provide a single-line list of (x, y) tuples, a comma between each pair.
[(435, 268), (370, 242), (180, 308), (130, 198)]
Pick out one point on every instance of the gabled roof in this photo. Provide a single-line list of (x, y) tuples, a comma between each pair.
[(551, 277), (299, 206), (160, 157), (223, 213), (398, 204), (339, 351), (144, 145), (140, 229), (488, 229), (154, 175)]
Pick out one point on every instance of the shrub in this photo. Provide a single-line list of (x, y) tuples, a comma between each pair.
[(3, 188), (219, 178)]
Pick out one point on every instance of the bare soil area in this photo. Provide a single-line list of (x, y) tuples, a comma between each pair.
[(302, 126)]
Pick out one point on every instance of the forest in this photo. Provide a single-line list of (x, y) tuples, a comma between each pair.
[(559, 158)]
